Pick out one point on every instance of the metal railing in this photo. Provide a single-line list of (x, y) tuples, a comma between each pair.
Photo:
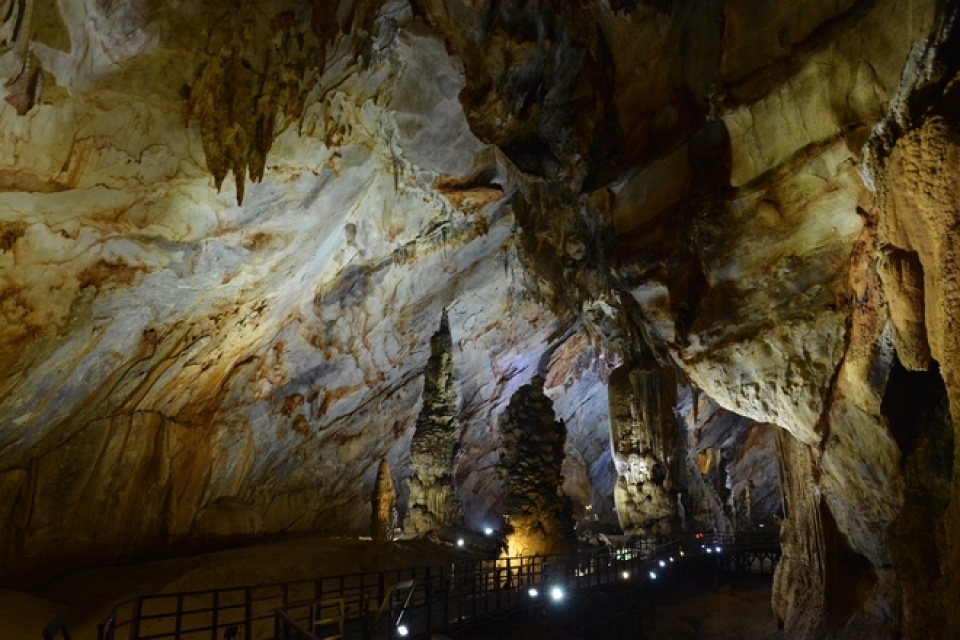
[(375, 604)]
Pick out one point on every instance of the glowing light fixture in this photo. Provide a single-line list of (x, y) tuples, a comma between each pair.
[(557, 594), (460, 542), (717, 549), (709, 550), (488, 531), (626, 575), (671, 557), (532, 592), (662, 563), (682, 553), (653, 575), (402, 631)]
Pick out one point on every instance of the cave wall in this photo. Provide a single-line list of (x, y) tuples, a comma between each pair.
[(166, 347), (577, 384), (918, 223), (728, 468)]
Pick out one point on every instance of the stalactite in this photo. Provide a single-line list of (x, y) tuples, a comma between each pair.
[(250, 87), (26, 84)]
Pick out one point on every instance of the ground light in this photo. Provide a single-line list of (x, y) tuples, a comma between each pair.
[(557, 594), (402, 631)]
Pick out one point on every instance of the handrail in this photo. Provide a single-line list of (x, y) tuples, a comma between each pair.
[(288, 628), (457, 586)]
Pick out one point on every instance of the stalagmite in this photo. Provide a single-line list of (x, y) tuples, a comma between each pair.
[(538, 513), (432, 505), (383, 502)]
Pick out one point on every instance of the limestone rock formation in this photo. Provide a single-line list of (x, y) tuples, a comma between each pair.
[(539, 514), (229, 518), (383, 505), (432, 505), (642, 432), (728, 469), (228, 228)]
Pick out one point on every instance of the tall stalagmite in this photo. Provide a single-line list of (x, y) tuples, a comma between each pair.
[(540, 515), (432, 504)]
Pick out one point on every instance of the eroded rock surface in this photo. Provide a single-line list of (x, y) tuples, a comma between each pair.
[(642, 431), (228, 228)]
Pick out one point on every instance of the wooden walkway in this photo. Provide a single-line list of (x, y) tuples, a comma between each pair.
[(414, 603)]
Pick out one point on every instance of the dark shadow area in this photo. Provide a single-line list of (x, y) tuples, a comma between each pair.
[(917, 410)]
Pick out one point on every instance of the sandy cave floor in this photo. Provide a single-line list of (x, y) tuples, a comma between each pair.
[(734, 611)]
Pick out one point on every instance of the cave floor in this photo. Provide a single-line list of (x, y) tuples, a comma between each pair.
[(738, 609), (84, 597)]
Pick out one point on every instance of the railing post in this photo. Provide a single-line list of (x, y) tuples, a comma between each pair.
[(216, 615), (428, 596), (248, 612), (381, 587), (135, 618), (445, 586)]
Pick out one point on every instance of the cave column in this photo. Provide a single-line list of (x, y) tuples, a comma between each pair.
[(642, 431), (800, 609)]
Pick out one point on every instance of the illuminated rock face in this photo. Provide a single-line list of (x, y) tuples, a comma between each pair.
[(383, 505), (539, 514), (228, 229), (643, 438), (165, 347), (728, 472)]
